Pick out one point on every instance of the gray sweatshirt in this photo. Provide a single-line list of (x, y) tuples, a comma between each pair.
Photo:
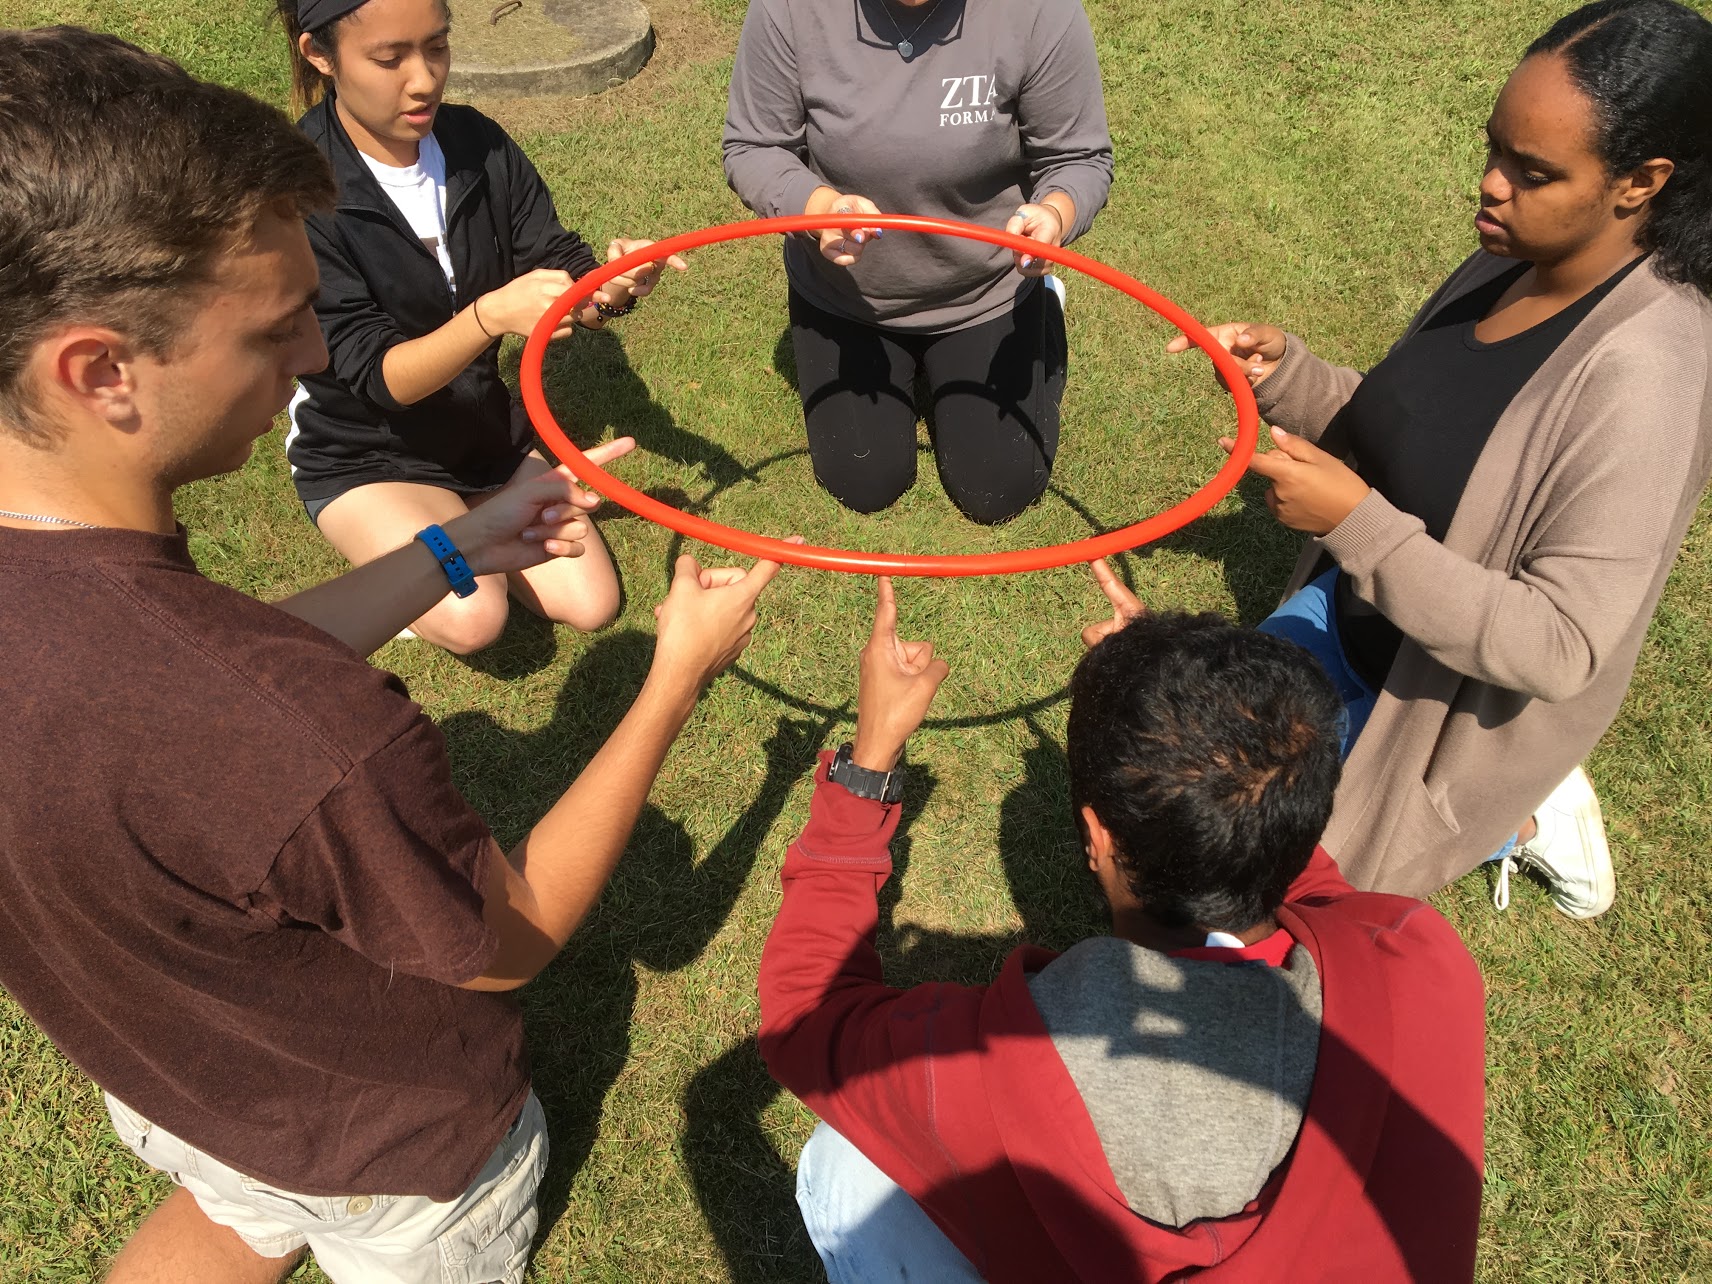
[(1195, 1073), (998, 104)]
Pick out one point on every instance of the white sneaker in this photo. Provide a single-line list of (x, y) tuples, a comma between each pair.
[(1569, 851), (404, 635)]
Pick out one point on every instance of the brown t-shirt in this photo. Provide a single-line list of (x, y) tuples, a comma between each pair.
[(237, 885)]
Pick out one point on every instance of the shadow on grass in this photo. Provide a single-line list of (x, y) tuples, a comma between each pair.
[(527, 645), (1255, 551), (660, 910), (591, 385), (746, 1189), (834, 715)]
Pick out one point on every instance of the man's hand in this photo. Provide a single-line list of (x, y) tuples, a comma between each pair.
[(1311, 490), (532, 521), (899, 681), (706, 619), (1125, 605), (1259, 347)]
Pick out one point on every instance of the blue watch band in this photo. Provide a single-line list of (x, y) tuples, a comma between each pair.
[(458, 573)]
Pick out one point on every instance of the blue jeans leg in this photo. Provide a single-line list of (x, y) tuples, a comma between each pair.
[(1309, 619), (866, 1229)]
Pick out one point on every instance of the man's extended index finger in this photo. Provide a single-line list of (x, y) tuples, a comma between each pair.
[(886, 608), (760, 575), (1116, 591)]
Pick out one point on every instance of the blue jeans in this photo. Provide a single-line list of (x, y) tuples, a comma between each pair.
[(866, 1229), (1309, 619)]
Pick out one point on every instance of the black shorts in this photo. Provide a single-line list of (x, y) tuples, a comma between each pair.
[(313, 507)]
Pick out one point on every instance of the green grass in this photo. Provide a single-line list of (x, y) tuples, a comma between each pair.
[(1311, 166)]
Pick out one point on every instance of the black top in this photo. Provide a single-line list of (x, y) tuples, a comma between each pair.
[(1420, 418), (380, 286)]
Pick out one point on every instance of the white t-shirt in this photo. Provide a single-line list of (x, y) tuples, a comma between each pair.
[(419, 191)]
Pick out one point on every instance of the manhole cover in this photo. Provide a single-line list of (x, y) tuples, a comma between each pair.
[(547, 46)]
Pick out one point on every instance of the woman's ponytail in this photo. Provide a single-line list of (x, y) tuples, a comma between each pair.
[(307, 84)]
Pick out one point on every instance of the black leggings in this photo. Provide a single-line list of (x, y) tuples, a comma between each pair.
[(992, 405)]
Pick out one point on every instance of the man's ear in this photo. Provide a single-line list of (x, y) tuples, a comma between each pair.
[(1642, 183), (94, 369), (1097, 840)]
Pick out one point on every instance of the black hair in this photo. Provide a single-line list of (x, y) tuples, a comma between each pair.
[(308, 85), (1646, 65), (1211, 754)]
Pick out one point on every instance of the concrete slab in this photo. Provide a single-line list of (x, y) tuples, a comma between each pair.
[(547, 46)]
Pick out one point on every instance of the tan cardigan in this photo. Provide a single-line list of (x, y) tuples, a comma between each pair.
[(1521, 628)]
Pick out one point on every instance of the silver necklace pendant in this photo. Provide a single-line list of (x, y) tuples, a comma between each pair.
[(905, 45), (47, 521)]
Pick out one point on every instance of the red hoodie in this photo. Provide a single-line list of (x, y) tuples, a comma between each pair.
[(958, 1095)]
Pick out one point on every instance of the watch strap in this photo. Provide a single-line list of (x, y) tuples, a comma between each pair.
[(876, 786), (458, 573)]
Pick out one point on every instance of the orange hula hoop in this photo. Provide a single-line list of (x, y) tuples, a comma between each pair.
[(850, 560)]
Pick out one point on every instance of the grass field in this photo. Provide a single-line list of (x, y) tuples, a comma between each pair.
[(1311, 165)]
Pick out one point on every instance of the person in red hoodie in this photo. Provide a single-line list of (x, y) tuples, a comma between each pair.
[(1260, 1074)]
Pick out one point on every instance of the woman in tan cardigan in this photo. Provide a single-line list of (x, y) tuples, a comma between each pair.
[(1496, 504)]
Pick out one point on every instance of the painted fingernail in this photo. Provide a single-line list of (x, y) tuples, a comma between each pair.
[(551, 515)]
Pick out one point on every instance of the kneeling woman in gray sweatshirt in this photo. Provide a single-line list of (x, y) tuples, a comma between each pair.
[(990, 113)]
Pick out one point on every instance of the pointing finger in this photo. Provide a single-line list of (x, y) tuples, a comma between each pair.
[(760, 575), (1297, 448), (886, 611), (686, 570), (608, 451), (1272, 464), (1116, 591)]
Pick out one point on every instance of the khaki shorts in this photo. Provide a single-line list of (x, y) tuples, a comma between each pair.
[(481, 1237)]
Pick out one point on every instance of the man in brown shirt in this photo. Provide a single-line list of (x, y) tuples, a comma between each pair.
[(237, 885)]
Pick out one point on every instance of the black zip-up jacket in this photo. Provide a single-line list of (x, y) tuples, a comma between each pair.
[(381, 286)]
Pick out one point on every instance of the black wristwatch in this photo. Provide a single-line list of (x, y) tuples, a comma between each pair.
[(877, 786)]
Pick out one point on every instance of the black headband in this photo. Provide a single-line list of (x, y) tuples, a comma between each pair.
[(312, 15)]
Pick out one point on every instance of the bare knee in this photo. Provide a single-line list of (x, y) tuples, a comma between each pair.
[(464, 626), (595, 607), (582, 592)]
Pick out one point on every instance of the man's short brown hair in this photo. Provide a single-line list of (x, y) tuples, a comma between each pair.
[(123, 180)]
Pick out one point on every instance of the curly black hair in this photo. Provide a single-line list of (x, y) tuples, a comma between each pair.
[(1211, 754)]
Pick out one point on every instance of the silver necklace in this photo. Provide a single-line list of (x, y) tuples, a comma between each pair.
[(903, 45), (52, 521)]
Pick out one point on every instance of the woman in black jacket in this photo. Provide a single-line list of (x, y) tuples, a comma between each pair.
[(443, 241)]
